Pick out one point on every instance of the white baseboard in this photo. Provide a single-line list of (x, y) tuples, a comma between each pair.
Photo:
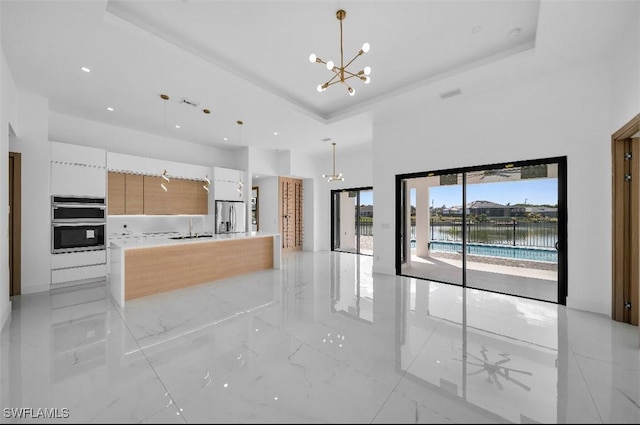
[(580, 304), (32, 289)]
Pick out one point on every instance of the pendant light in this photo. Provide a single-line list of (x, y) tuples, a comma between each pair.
[(240, 184), (333, 177)]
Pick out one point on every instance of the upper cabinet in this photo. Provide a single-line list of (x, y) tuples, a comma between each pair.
[(226, 183), (125, 194), (155, 197), (143, 193), (135, 194), (77, 170), (116, 193)]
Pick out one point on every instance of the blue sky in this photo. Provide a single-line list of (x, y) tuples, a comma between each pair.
[(535, 191)]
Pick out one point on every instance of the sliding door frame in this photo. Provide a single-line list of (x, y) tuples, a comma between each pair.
[(333, 220), (562, 217)]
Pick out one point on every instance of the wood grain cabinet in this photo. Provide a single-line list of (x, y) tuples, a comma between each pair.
[(136, 194), (155, 198), (116, 193)]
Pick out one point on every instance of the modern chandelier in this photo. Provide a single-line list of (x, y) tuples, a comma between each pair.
[(341, 74), (333, 177)]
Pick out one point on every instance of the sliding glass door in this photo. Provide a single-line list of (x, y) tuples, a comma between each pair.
[(352, 220), (500, 228)]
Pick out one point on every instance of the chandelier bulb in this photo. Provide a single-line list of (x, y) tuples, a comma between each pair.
[(330, 65), (367, 70), (319, 88), (366, 47), (367, 80), (351, 90), (312, 58)]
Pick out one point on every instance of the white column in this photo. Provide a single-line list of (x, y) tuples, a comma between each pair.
[(347, 222), (423, 236)]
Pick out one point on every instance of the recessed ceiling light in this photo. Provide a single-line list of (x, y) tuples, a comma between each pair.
[(275, 133), (514, 32), (476, 29), (85, 69), (110, 109), (225, 139), (177, 126)]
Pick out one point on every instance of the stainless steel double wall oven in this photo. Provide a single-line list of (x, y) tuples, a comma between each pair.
[(77, 224)]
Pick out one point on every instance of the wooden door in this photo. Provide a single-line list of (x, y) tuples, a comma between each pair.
[(15, 226), (625, 151), (291, 220)]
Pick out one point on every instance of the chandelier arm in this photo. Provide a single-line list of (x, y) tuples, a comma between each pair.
[(351, 74), (328, 83), (354, 58), (331, 81)]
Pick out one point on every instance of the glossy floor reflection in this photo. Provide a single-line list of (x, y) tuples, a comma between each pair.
[(322, 340)]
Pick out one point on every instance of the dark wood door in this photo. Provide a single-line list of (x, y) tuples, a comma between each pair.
[(15, 244)]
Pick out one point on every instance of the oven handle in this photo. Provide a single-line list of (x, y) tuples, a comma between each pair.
[(73, 223), (94, 206)]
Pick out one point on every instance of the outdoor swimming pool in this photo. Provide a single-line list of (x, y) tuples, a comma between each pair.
[(515, 252)]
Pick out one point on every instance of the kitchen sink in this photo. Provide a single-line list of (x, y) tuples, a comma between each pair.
[(191, 237)]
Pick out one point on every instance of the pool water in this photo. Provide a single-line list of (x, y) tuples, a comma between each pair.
[(516, 252)]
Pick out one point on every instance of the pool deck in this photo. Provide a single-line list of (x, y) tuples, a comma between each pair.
[(525, 282)]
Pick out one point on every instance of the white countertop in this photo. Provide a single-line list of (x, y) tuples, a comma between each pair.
[(147, 241)]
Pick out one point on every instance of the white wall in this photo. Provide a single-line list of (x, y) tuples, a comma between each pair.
[(625, 75), (357, 167), (78, 131), (7, 116), (267, 204), (555, 115), (265, 162), (33, 143)]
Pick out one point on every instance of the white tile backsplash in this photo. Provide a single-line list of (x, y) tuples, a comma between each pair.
[(140, 224)]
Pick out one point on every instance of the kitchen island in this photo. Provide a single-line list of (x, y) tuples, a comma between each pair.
[(141, 266)]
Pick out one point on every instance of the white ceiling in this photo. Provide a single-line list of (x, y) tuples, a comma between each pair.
[(248, 60)]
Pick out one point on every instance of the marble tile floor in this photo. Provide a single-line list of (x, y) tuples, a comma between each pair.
[(324, 340)]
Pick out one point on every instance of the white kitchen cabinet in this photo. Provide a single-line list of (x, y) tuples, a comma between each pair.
[(76, 154), (78, 259), (124, 163), (77, 170), (79, 274), (78, 266), (77, 180), (226, 183)]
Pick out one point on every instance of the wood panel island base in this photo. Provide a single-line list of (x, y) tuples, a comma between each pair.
[(140, 268)]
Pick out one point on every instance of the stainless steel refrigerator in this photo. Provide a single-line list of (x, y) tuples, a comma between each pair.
[(230, 217)]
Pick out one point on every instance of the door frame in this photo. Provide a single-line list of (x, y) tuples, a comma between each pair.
[(299, 200), (625, 230), (15, 223), (562, 218), (333, 219)]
